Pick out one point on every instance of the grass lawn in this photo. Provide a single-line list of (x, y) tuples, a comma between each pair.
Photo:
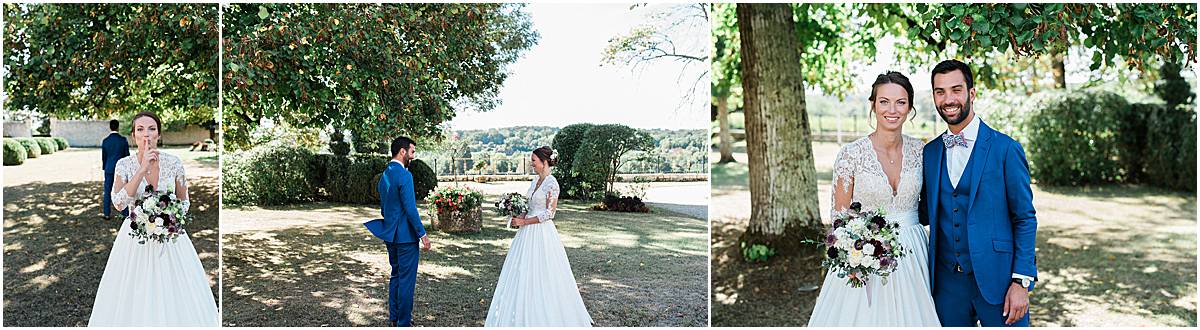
[(1118, 255), (56, 242), (315, 265)]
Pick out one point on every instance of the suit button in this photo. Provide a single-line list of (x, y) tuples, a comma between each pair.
[(956, 239), (956, 254), (954, 194), (955, 224), (956, 210)]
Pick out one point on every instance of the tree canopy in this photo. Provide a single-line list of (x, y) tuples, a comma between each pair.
[(83, 61), (378, 70)]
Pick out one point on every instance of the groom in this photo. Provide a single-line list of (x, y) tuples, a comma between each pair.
[(978, 205), (400, 229)]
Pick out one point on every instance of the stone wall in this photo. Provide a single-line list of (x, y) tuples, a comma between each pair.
[(18, 129), (89, 133)]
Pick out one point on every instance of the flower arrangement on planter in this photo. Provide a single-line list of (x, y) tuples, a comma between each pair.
[(458, 209)]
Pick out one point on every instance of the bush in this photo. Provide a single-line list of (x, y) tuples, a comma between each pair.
[(614, 202), (424, 179), (598, 158), (47, 144), (566, 142), (354, 179), (1170, 149), (271, 174), (62, 143), (1074, 138), (32, 148), (365, 146), (14, 152), (337, 143)]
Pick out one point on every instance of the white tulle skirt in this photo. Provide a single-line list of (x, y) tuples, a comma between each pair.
[(154, 284), (904, 302), (536, 286)]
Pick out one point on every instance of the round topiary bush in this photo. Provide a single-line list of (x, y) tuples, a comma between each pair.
[(353, 179), (14, 152), (566, 142), (272, 174), (62, 143), (1073, 138), (424, 179), (32, 148), (48, 145)]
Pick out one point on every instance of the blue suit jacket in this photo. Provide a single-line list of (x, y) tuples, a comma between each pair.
[(1000, 216), (113, 149), (401, 221)]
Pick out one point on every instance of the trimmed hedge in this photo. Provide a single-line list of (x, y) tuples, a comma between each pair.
[(424, 179), (1074, 138), (14, 152), (1161, 144), (62, 143), (566, 142), (354, 179), (270, 174), (48, 145), (32, 148)]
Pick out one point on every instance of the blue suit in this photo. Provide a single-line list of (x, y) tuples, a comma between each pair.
[(980, 231), (400, 229), (112, 149)]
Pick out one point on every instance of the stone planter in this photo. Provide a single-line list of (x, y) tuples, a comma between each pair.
[(459, 221)]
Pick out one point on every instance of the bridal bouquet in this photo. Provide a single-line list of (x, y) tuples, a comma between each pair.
[(862, 244), (157, 216), (512, 204)]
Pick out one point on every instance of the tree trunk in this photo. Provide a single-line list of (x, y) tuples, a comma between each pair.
[(1060, 69), (783, 181), (726, 139)]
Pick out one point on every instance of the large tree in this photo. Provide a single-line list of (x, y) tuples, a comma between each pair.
[(783, 177), (84, 61), (380, 70)]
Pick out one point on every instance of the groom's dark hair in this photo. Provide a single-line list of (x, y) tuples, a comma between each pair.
[(114, 124), (400, 143), (951, 65)]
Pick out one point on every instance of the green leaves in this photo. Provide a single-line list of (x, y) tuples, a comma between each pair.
[(262, 12)]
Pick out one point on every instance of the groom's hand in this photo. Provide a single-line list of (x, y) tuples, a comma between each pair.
[(425, 243), (1016, 303)]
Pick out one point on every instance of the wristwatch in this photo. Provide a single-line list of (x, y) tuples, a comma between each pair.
[(1023, 282)]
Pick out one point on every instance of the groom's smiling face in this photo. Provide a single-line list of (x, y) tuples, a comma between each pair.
[(952, 97)]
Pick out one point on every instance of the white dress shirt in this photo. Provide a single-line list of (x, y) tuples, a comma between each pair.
[(956, 162)]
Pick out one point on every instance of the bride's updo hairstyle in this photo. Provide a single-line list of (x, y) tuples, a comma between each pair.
[(545, 154), (893, 77)]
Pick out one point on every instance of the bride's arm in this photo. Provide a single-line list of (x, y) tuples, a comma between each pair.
[(551, 206), (181, 188), (120, 199), (843, 182)]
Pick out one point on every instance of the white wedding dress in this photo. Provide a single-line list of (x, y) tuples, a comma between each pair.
[(906, 299), (536, 286), (152, 284)]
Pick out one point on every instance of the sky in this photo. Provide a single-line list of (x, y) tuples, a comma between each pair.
[(560, 82)]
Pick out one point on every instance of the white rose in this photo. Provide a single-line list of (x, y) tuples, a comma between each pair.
[(868, 249)]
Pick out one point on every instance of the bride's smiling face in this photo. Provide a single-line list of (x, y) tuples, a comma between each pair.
[(145, 129), (891, 107), (538, 164)]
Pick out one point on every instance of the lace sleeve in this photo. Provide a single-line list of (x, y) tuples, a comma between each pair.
[(181, 183), (842, 191), (120, 199), (551, 198)]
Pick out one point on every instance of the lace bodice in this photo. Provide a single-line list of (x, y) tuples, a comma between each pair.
[(170, 172), (858, 165), (540, 198)]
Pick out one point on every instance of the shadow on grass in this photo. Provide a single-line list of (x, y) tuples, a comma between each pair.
[(775, 293), (56, 245), (632, 269)]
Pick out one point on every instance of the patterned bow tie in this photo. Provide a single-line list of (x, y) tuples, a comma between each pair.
[(952, 140)]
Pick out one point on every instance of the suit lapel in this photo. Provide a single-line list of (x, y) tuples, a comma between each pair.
[(978, 160), (934, 175)]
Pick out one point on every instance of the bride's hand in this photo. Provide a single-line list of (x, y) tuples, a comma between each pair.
[(516, 222), (150, 158)]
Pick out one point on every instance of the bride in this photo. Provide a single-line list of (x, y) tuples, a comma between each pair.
[(155, 284), (536, 286), (883, 170)]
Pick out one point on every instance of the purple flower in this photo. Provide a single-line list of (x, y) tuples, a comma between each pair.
[(839, 223), (830, 239), (878, 221), (133, 225), (858, 245), (831, 252), (856, 206), (164, 199), (878, 247), (885, 262)]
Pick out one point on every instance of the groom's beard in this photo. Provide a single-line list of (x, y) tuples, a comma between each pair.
[(963, 111)]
